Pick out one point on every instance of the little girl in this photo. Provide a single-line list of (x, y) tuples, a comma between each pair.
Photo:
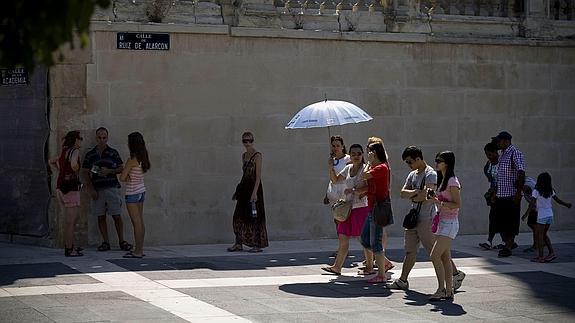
[(542, 195)]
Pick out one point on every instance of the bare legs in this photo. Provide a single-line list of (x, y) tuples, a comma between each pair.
[(136, 212), (342, 251), (543, 239), (441, 259), (71, 216)]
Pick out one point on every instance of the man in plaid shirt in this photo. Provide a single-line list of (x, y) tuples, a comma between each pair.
[(510, 178)]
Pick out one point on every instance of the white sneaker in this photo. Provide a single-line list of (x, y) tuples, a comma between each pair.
[(458, 279), (399, 284)]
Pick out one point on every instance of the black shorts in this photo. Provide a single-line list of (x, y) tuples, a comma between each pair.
[(507, 216)]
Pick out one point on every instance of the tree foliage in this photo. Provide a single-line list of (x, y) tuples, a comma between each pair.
[(32, 30)]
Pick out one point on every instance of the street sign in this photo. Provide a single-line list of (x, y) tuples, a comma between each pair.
[(143, 41), (15, 76)]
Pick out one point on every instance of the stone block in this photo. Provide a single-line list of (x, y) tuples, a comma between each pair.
[(566, 103), (430, 75), (545, 155), (98, 98), (534, 103), (478, 130), (431, 103), (75, 52), (146, 99), (528, 76), (483, 54), (487, 102), (203, 131), (490, 76), (402, 52), (67, 81), (563, 77)]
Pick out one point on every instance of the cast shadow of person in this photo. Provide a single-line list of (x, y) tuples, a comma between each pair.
[(339, 287), (447, 308)]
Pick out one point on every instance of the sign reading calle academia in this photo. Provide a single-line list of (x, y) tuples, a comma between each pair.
[(15, 76), (143, 41)]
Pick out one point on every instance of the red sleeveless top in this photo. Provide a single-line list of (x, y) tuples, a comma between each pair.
[(66, 171)]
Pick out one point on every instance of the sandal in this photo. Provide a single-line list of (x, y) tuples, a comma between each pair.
[(235, 247), (330, 270), (377, 279), (125, 246), (389, 266), (550, 258), (131, 255), (72, 252), (105, 246), (439, 295), (538, 259)]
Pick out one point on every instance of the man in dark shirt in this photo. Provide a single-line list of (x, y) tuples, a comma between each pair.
[(99, 170)]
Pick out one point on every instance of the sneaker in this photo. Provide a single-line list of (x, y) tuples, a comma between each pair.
[(458, 279), (399, 284), (514, 246), (504, 252), (486, 245), (499, 246)]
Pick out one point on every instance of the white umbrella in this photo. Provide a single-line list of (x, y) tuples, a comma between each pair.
[(328, 113)]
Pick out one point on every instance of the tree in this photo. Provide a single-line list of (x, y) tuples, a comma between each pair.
[(32, 30)]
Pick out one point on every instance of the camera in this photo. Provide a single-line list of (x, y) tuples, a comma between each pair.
[(430, 193)]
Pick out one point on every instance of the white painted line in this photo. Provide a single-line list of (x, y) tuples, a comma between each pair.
[(177, 303)]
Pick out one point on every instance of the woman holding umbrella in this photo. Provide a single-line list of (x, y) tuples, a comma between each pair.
[(338, 159), (249, 216)]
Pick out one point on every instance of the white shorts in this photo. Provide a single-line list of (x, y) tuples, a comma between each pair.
[(448, 228)]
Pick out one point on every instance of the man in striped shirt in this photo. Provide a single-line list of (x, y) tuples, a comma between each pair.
[(510, 180)]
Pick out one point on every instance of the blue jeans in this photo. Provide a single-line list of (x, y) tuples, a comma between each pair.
[(136, 198), (371, 235)]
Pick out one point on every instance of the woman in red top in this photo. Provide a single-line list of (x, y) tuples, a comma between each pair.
[(377, 190), (68, 188)]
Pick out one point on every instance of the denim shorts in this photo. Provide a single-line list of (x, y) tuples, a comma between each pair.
[(448, 228), (546, 220), (136, 198), (371, 235)]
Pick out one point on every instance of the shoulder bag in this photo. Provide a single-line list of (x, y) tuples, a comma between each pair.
[(410, 219)]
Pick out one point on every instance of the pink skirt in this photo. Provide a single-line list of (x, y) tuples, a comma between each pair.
[(70, 199), (353, 225)]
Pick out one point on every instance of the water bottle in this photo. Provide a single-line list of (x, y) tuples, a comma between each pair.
[(254, 210)]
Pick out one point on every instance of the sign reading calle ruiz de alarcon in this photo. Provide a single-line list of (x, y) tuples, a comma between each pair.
[(143, 41), (15, 76)]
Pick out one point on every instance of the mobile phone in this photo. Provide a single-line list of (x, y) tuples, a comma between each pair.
[(430, 193)]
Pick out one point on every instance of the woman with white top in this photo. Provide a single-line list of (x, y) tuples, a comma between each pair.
[(338, 159), (133, 175), (352, 177)]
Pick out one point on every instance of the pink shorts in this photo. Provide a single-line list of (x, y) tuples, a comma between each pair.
[(70, 199), (353, 225)]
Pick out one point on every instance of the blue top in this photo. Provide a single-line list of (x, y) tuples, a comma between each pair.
[(110, 158)]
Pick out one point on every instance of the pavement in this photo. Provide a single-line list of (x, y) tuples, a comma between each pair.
[(204, 283)]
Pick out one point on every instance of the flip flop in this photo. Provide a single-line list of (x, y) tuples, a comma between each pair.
[(131, 255), (389, 266), (377, 279), (330, 270), (550, 258)]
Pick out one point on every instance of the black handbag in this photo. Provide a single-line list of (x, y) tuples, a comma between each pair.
[(382, 213), (410, 219)]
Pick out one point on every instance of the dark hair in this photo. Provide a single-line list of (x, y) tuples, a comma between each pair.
[(102, 128), (340, 139), (379, 151), (70, 138), (543, 185), (138, 149), (449, 158), (412, 152), (360, 148), (248, 134), (492, 146)]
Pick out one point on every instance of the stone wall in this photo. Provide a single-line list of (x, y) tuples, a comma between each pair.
[(193, 102)]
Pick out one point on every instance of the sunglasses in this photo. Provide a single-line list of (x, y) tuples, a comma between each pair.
[(438, 161), (245, 141)]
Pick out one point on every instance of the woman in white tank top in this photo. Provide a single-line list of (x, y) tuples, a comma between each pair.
[(133, 175)]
